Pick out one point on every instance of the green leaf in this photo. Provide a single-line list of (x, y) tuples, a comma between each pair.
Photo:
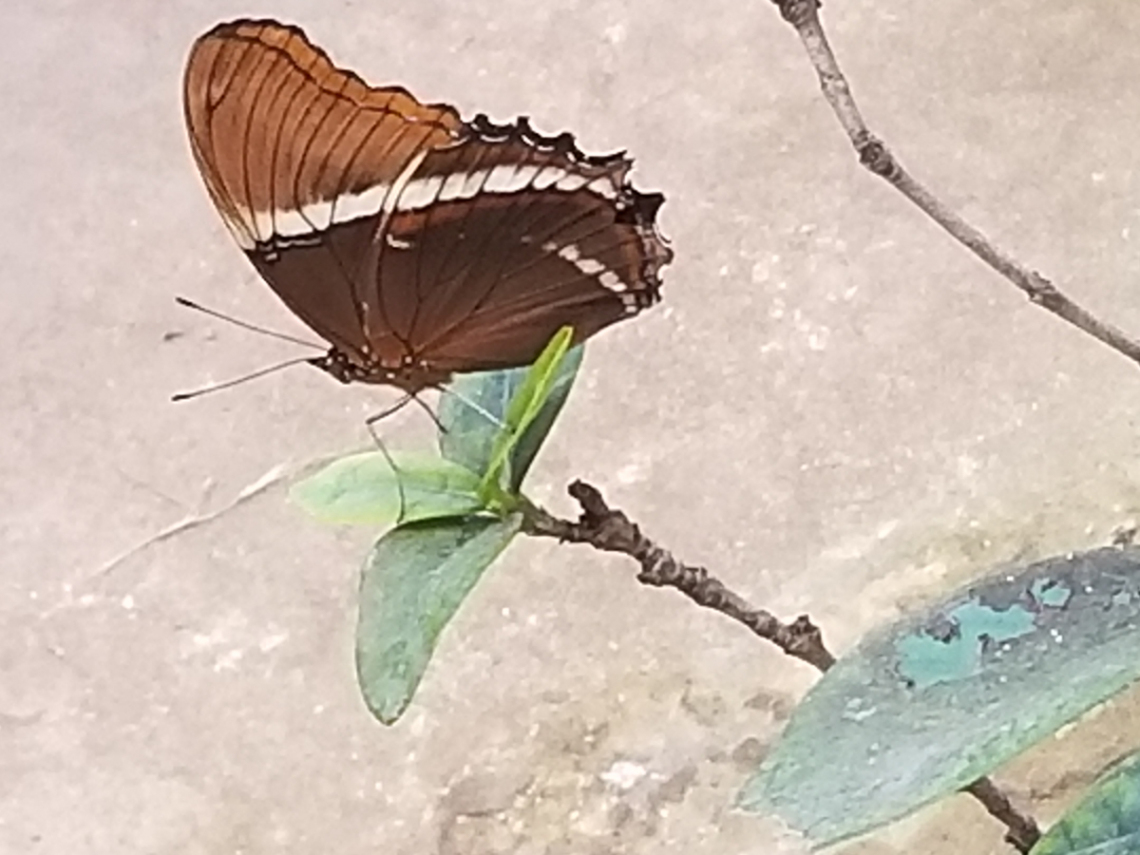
[(930, 704), (413, 581), (365, 489), (475, 415), (1105, 822)]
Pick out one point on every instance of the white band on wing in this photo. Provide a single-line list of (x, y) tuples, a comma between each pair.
[(408, 194)]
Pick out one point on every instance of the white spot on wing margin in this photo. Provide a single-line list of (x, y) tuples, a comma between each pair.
[(588, 266)]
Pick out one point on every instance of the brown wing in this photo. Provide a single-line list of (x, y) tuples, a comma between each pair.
[(509, 237), (300, 158), (406, 238)]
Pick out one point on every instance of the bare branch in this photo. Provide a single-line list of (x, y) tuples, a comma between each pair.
[(612, 531), (874, 154)]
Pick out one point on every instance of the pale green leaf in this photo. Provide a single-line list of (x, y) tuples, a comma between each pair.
[(365, 489), (412, 583)]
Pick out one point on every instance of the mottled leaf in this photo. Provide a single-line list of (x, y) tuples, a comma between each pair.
[(930, 704)]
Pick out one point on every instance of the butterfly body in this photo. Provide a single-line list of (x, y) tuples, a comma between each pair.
[(416, 244), (405, 374)]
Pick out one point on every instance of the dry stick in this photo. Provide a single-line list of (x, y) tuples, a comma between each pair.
[(610, 530), (1022, 831), (873, 154)]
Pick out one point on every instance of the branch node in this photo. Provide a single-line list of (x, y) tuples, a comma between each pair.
[(876, 157), (1042, 292), (797, 12)]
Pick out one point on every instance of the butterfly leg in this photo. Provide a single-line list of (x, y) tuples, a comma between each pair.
[(371, 422), (376, 418)]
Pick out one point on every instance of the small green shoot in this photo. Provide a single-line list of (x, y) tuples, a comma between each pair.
[(524, 408)]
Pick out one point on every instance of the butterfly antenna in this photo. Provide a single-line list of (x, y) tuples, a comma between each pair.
[(190, 304), (217, 387)]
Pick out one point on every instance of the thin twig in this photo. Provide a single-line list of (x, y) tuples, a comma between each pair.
[(191, 521), (874, 154), (612, 531)]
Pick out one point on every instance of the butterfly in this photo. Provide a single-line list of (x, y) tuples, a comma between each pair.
[(417, 245)]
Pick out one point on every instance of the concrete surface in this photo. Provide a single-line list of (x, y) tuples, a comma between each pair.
[(836, 409)]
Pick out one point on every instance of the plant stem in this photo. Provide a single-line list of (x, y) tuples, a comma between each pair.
[(610, 530)]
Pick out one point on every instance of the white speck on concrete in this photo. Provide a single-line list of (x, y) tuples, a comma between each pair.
[(624, 774)]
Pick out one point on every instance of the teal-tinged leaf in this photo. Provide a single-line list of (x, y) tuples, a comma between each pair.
[(471, 410), (930, 704), (476, 414), (413, 581), (1105, 822), (365, 489)]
